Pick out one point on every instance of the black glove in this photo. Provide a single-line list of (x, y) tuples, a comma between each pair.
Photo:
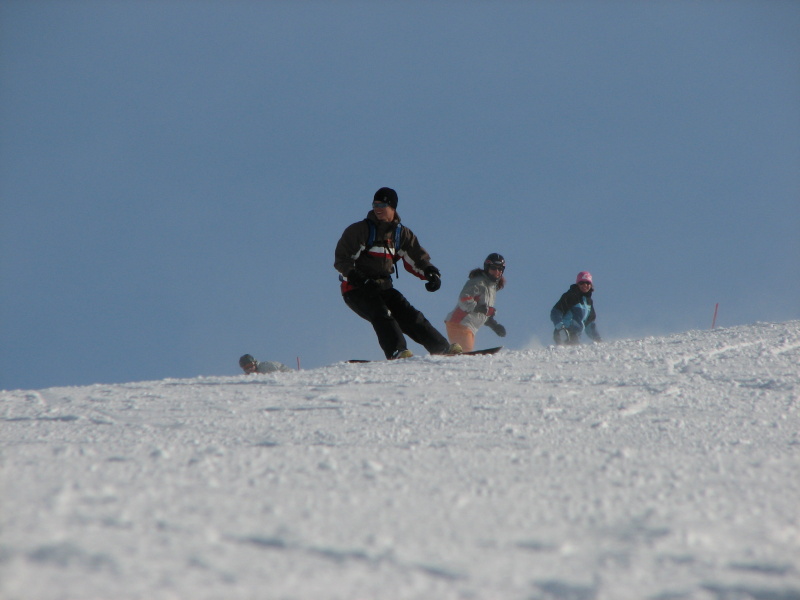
[(486, 310), (359, 280), (356, 278), (496, 327), (434, 278)]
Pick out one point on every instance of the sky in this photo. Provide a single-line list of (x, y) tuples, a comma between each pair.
[(174, 176), (431, 477)]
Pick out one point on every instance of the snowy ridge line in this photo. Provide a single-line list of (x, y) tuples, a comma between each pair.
[(655, 468), (339, 556), (785, 349)]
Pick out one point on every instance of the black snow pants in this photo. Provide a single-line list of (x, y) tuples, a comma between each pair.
[(391, 315)]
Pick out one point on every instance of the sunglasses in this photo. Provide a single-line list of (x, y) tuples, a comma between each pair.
[(584, 283), (380, 204), (496, 268)]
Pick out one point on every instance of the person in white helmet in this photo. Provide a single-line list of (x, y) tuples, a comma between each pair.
[(574, 312), (251, 365)]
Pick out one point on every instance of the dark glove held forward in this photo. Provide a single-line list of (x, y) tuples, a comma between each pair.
[(434, 283), (496, 327), (434, 279)]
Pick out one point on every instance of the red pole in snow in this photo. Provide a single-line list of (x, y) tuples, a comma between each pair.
[(714, 320)]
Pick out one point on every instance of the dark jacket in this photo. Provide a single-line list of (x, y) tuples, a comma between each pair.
[(378, 262), (576, 312)]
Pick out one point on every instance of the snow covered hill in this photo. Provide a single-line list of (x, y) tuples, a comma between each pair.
[(663, 469)]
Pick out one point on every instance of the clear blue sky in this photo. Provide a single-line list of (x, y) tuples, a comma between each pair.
[(174, 175)]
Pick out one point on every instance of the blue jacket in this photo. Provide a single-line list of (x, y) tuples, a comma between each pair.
[(575, 311)]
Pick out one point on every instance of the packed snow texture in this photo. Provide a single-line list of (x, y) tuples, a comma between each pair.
[(663, 469)]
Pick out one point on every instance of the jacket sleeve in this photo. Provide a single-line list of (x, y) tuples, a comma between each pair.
[(350, 246), (592, 314), (415, 258), (561, 308), (472, 295), (567, 301), (591, 325)]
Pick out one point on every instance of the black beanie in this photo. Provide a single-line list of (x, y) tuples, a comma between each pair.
[(387, 195)]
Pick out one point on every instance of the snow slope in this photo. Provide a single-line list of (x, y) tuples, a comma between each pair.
[(663, 468)]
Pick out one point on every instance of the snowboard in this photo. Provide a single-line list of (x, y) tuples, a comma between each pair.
[(470, 353)]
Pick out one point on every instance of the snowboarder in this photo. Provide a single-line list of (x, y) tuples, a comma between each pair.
[(366, 255), (574, 312), (475, 306), (251, 365)]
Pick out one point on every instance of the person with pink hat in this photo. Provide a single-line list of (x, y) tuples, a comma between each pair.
[(574, 312)]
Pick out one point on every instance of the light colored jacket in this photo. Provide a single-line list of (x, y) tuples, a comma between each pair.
[(479, 291), (270, 366)]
